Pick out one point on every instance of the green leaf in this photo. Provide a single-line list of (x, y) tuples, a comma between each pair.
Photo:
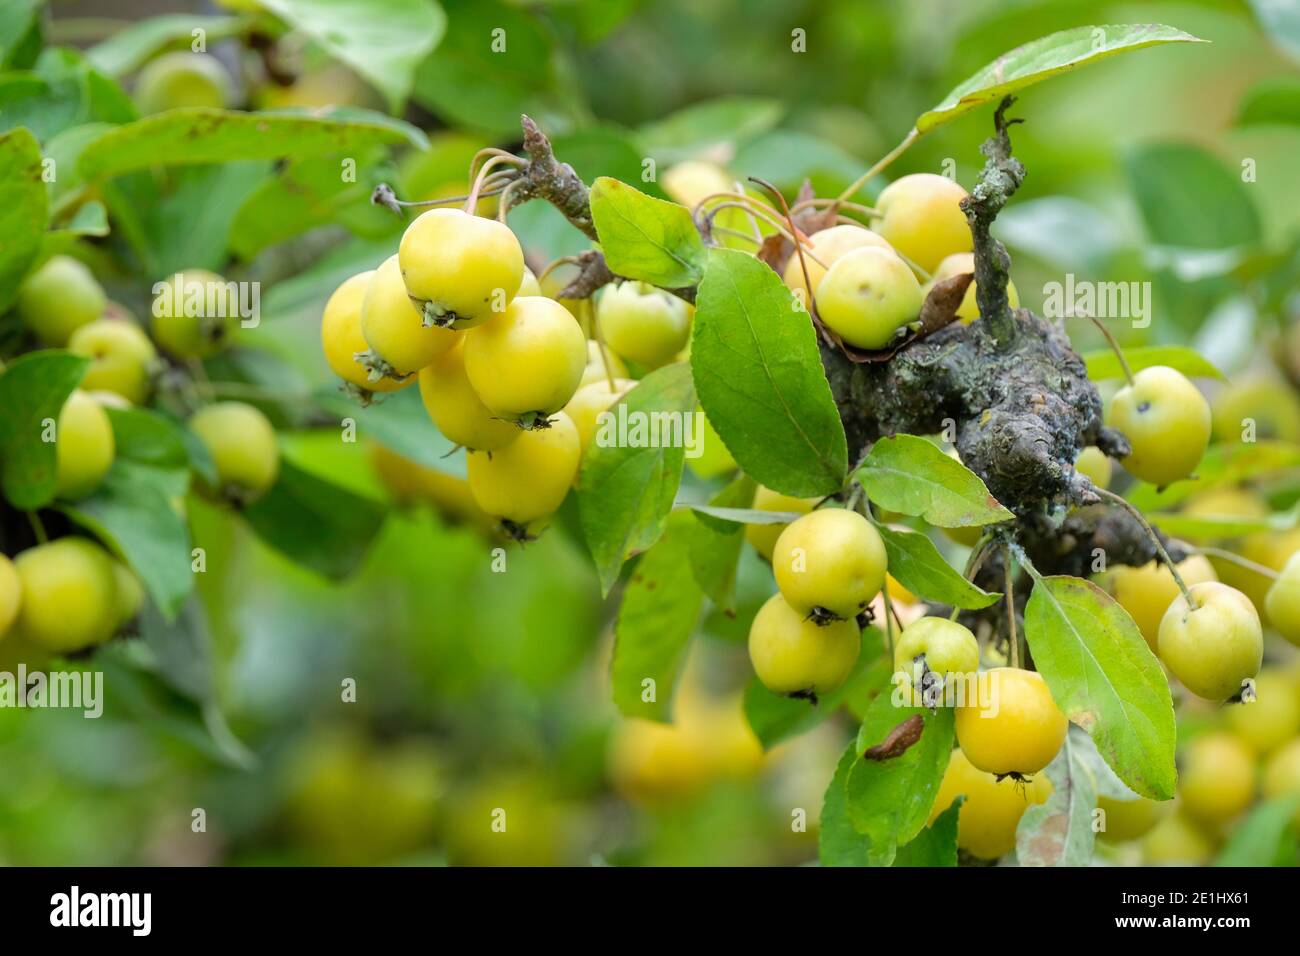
[(775, 717), (131, 47), (626, 492), (1059, 832), (382, 40), (760, 378), (1281, 20), (646, 238), (399, 422), (655, 622), (132, 512), (1190, 199), (195, 136), (742, 515), (1274, 100), (715, 546), (1046, 57), (63, 91), (1104, 678), (912, 476), (33, 389), (1266, 837), (917, 565), (703, 127), (22, 209), (20, 30), (936, 845), (1206, 529), (316, 523), (889, 801), (838, 843), (1103, 364), (149, 438), (596, 151)]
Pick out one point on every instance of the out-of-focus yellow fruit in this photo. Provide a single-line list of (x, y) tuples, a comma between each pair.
[(1147, 592), (692, 181), (1282, 774), (594, 371), (1094, 463), (1255, 409), (1176, 841), (713, 459), (509, 820), (413, 483), (1217, 781), (960, 263), (1271, 717), (763, 536), (1129, 819)]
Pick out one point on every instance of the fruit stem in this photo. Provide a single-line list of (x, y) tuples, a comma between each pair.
[(766, 217), (889, 624), (1011, 609), (1155, 539), (884, 162), (868, 211), (1249, 565), (1119, 352), (38, 527), (471, 202)]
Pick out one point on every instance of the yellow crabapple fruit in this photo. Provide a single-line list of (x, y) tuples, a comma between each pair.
[(1095, 465), (1167, 422), (594, 371), (867, 296), (195, 314), (828, 246), (84, 446), (937, 646), (182, 79), (1212, 647), (589, 402), (1259, 407), (1283, 600), (122, 358), (1147, 592), (1281, 775), (713, 458), (763, 537), (243, 447), (411, 483), (1269, 716), (525, 363), (529, 284), (987, 820), (460, 269), (11, 594), (69, 595), (528, 479), (654, 763), (921, 217), (1015, 727), (1217, 778), (130, 594), (455, 407), (961, 263), (391, 325), (1176, 841), (58, 298), (795, 656), (1127, 820), (692, 181), (642, 323), (829, 563), (341, 338)]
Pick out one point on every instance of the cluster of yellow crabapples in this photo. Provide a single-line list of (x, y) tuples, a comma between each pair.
[(70, 594)]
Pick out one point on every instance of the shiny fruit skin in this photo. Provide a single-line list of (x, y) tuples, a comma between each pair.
[(1166, 420), (1024, 728), (341, 338), (182, 79), (11, 594), (867, 296), (1095, 465), (1147, 592), (922, 218), (460, 268), (456, 408), (589, 402), (1127, 820), (948, 649), (392, 327), (243, 447), (793, 655), (121, 356), (69, 599), (84, 446), (1215, 647), (526, 363), (1283, 600), (642, 323), (206, 332), (763, 537), (832, 559), (961, 263), (1216, 782), (529, 478), (987, 820), (59, 298), (829, 246), (1271, 717)]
